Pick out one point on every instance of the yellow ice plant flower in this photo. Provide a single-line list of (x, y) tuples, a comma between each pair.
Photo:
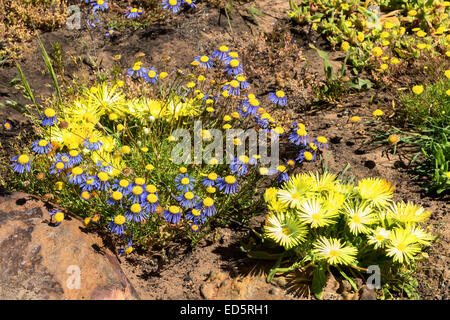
[(315, 213), (375, 190), (378, 237), (417, 89), (285, 229), (360, 216), (407, 212), (402, 245), (331, 250), (412, 13)]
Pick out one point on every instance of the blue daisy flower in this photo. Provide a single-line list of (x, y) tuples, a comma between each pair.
[(243, 84), (133, 13), (207, 207), (7, 125), (115, 198), (89, 184), (58, 167), (102, 181), (152, 75), (137, 194), (190, 3), (74, 158), (92, 143), (184, 183), (205, 61), (282, 174), (231, 55), (173, 214), (228, 185), (77, 176), (128, 248), (306, 155), (49, 117), (221, 53), (56, 215), (321, 142), (187, 199), (299, 135), (99, 5), (195, 227), (278, 98), (41, 146), (172, 5), (117, 225), (151, 202), (21, 163), (210, 179), (138, 71), (136, 214), (196, 214), (232, 87), (234, 67), (110, 32), (239, 165), (123, 186)]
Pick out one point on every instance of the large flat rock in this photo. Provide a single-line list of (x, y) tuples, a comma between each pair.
[(41, 261)]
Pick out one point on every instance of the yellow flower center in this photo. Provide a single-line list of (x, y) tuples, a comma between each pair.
[(59, 165), (117, 195), (24, 159), (103, 176), (185, 181), (281, 168), (136, 208), (212, 176), (73, 153), (280, 94), (174, 209), (334, 252), (356, 219), (151, 188), (183, 169), (123, 183), (210, 189), (286, 231), (315, 216), (49, 113), (189, 195), (234, 63), (308, 156), (119, 220), (139, 181), (234, 83), (223, 48), (137, 190), (77, 171), (152, 198), (401, 246), (233, 54), (322, 139), (59, 216), (152, 74), (204, 59), (379, 237), (42, 143), (85, 195), (230, 179), (208, 202), (196, 212)]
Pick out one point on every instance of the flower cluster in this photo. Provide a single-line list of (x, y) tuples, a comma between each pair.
[(344, 223)]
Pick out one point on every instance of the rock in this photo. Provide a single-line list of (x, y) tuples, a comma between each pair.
[(208, 290), (345, 287), (366, 294), (41, 261)]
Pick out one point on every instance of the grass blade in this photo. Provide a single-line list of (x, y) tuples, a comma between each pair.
[(50, 69)]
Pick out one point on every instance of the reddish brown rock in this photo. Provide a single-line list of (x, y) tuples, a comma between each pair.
[(42, 261)]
